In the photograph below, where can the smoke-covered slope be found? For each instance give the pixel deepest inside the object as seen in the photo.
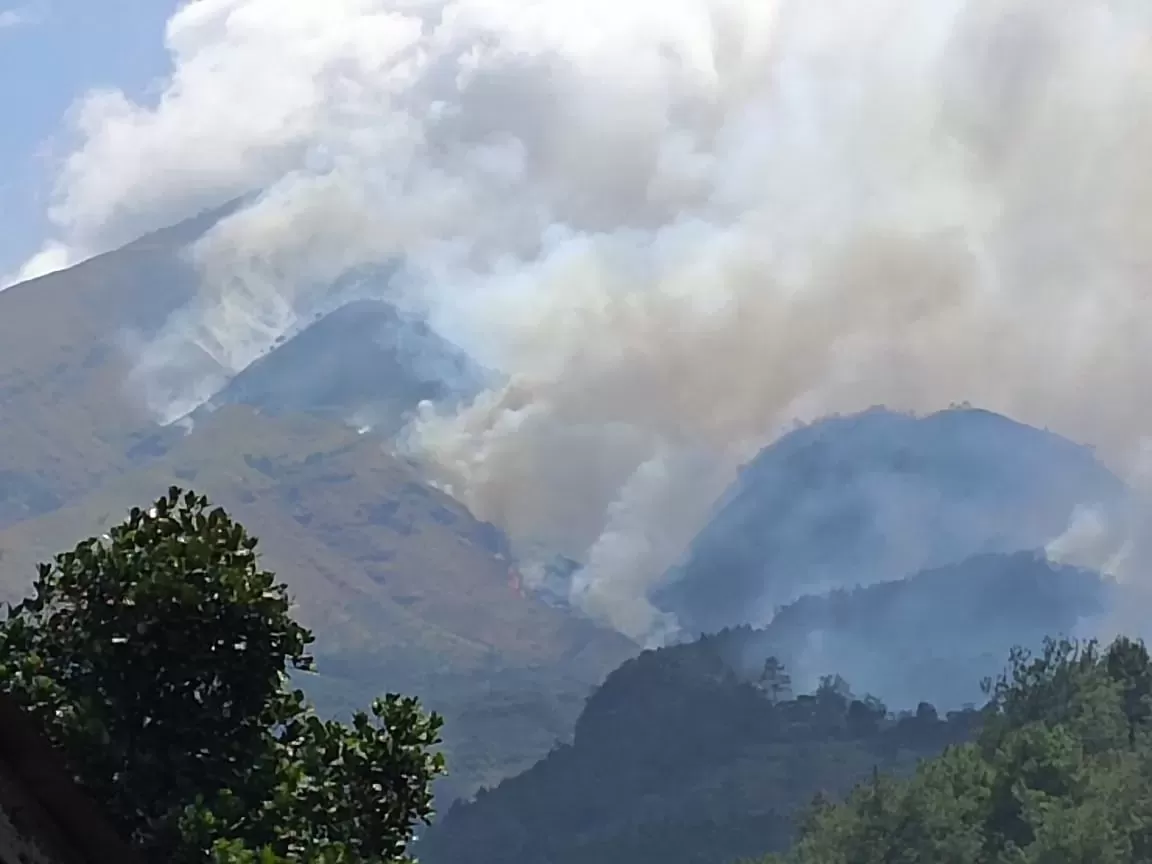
(67, 412)
(362, 362)
(935, 635)
(406, 590)
(876, 496)
(83, 360)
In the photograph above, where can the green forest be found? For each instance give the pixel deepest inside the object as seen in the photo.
(1061, 771)
(677, 758)
(159, 657)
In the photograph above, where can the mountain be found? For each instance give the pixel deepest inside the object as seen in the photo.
(933, 636)
(362, 542)
(408, 591)
(70, 416)
(405, 589)
(66, 419)
(361, 362)
(678, 759)
(873, 497)
(691, 754)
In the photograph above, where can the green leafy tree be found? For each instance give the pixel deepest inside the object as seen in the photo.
(1061, 772)
(1128, 665)
(157, 657)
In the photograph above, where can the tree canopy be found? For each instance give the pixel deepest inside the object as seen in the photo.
(157, 657)
(685, 757)
(1061, 772)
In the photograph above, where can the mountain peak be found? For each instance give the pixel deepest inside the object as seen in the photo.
(876, 496)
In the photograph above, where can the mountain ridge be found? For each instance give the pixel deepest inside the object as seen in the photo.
(872, 497)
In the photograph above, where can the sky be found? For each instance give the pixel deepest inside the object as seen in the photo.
(52, 53)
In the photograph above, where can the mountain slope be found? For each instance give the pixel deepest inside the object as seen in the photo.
(874, 497)
(70, 411)
(935, 635)
(66, 419)
(405, 589)
(363, 361)
(374, 555)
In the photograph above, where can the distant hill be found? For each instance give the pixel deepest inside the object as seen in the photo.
(678, 759)
(935, 635)
(362, 362)
(874, 497)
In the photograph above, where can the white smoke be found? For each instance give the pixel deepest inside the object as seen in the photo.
(1115, 544)
(675, 225)
(664, 501)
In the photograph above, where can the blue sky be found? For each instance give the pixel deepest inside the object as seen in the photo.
(50, 54)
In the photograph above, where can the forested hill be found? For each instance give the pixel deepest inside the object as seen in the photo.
(937, 634)
(1061, 773)
(679, 759)
(693, 755)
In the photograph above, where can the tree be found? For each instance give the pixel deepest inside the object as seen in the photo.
(833, 689)
(1061, 771)
(774, 680)
(926, 713)
(157, 657)
(1128, 664)
(865, 716)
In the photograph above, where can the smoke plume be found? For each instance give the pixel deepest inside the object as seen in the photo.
(675, 226)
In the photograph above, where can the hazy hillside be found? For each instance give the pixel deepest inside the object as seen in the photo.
(406, 590)
(935, 635)
(876, 496)
(679, 760)
(71, 415)
(361, 363)
(66, 419)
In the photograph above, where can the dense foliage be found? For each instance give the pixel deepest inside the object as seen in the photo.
(1061, 772)
(157, 657)
(679, 759)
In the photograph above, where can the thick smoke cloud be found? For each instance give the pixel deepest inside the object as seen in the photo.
(676, 226)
